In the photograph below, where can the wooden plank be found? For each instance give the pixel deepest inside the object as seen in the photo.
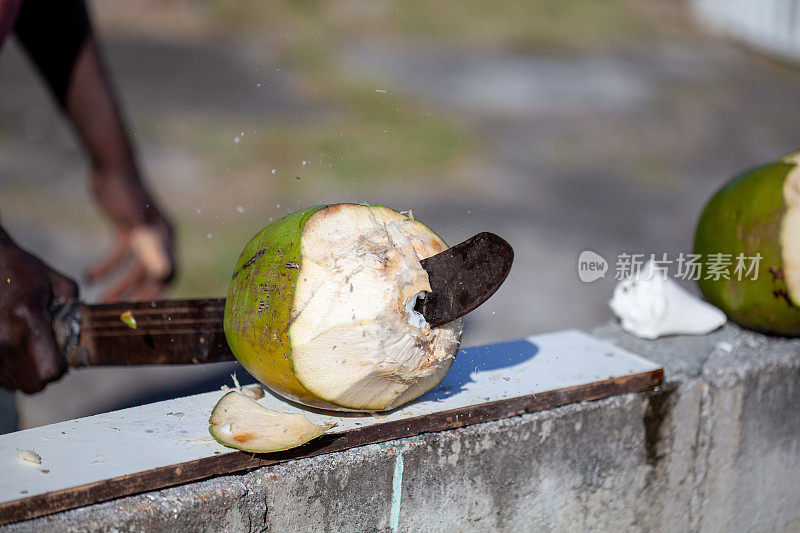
(159, 445)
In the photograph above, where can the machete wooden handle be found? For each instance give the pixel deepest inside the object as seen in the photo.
(165, 332)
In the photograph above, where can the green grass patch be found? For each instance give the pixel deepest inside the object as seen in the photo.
(510, 24)
(369, 137)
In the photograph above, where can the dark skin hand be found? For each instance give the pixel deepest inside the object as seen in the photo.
(29, 356)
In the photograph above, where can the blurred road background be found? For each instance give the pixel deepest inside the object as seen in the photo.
(562, 126)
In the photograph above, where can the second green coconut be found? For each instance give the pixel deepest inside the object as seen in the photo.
(756, 215)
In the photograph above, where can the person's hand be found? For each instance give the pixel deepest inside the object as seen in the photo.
(147, 253)
(144, 243)
(29, 355)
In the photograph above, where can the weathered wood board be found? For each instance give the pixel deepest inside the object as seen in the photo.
(110, 455)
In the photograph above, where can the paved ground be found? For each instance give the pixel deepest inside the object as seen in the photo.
(614, 152)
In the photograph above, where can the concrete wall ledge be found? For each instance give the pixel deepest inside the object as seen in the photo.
(717, 448)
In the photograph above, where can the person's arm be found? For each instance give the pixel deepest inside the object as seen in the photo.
(58, 37)
(142, 230)
(29, 355)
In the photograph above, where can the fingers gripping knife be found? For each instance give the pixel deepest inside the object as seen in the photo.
(190, 331)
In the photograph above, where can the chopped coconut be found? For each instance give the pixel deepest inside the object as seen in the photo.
(253, 391)
(650, 305)
(416, 319)
(356, 339)
(30, 456)
(241, 423)
(128, 318)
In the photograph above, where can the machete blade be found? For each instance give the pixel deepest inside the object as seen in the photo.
(464, 276)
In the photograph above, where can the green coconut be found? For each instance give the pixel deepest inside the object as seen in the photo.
(321, 309)
(756, 213)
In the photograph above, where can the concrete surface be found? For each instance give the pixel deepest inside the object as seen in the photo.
(112, 445)
(716, 449)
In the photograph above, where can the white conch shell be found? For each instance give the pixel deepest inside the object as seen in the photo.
(650, 305)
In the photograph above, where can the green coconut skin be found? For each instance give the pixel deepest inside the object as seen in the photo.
(745, 217)
(259, 305)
